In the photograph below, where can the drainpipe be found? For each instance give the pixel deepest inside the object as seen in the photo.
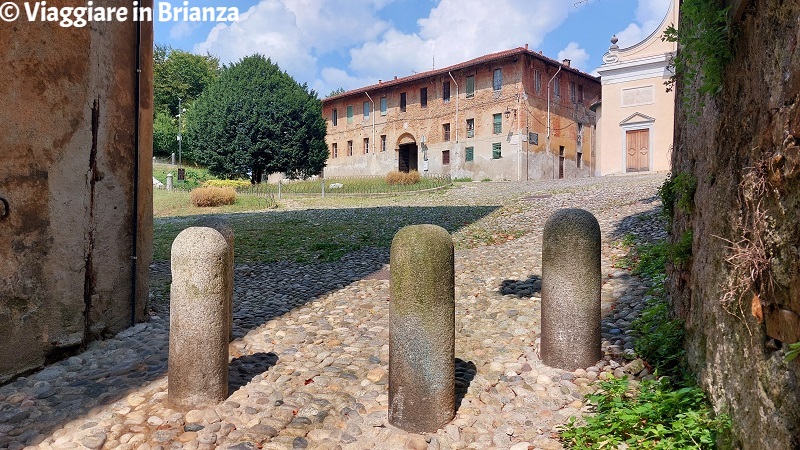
(548, 116)
(137, 117)
(519, 137)
(373, 122)
(456, 124)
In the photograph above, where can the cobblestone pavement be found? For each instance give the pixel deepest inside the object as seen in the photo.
(309, 365)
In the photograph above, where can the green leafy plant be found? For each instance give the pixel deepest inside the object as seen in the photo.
(791, 354)
(704, 39)
(646, 415)
(677, 191)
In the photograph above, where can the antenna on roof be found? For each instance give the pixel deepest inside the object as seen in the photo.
(433, 65)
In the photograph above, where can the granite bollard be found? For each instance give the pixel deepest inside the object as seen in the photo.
(200, 306)
(225, 229)
(571, 290)
(421, 329)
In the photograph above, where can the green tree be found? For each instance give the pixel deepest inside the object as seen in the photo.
(256, 120)
(180, 75)
(165, 134)
(337, 91)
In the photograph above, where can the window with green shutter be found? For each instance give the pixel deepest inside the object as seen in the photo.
(496, 151)
(470, 86)
(350, 114)
(498, 123)
(469, 154)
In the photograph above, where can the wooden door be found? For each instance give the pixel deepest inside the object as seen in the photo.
(638, 150)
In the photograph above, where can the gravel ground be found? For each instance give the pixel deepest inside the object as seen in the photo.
(309, 365)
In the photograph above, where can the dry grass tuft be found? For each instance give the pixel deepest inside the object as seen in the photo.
(213, 196)
(404, 178)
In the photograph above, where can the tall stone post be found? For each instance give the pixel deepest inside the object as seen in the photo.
(571, 290)
(422, 329)
(225, 229)
(200, 304)
(169, 181)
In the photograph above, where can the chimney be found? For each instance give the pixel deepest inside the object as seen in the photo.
(526, 46)
(380, 81)
(566, 62)
(395, 77)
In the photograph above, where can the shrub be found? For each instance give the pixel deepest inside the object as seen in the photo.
(646, 415)
(404, 178)
(236, 184)
(213, 196)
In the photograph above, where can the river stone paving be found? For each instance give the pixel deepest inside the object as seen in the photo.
(309, 362)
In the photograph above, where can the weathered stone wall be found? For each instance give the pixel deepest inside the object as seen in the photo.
(744, 151)
(68, 131)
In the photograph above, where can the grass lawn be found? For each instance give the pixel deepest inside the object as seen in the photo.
(318, 235)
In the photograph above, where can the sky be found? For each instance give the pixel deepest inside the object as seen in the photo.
(353, 43)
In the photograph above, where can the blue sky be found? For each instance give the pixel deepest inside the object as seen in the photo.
(353, 43)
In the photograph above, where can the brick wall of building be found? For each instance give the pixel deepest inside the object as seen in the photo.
(521, 104)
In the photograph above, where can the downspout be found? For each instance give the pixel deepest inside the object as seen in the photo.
(519, 137)
(456, 124)
(372, 113)
(548, 117)
(137, 117)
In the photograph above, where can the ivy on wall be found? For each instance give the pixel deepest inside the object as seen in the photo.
(704, 47)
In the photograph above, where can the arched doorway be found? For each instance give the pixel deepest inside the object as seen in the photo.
(406, 153)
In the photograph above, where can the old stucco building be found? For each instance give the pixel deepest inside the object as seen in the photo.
(636, 119)
(75, 182)
(483, 118)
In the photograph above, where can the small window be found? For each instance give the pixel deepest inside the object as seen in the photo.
(469, 154)
(366, 110)
(557, 86)
(497, 120)
(366, 145)
(580, 93)
(402, 102)
(446, 91)
(445, 157)
(349, 148)
(470, 86)
(537, 80)
(335, 117)
(423, 97)
(446, 132)
(383, 142)
(349, 113)
(579, 159)
(470, 128)
(497, 80)
(496, 154)
(383, 106)
(335, 150)
(573, 92)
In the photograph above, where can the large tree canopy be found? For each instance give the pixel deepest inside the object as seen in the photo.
(256, 120)
(176, 75)
(179, 74)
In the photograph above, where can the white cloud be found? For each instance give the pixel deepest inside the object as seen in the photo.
(458, 30)
(294, 33)
(183, 29)
(575, 54)
(649, 14)
(332, 78)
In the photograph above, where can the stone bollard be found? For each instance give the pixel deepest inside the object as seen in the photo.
(169, 181)
(225, 229)
(571, 290)
(199, 319)
(422, 329)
